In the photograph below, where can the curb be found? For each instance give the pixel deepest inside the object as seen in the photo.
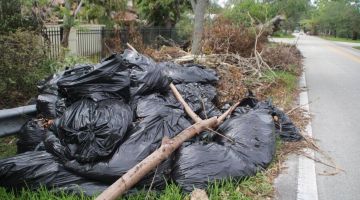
(306, 186)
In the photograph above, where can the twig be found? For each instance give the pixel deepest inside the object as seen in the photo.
(186, 106)
(226, 113)
(131, 47)
(297, 107)
(152, 182)
(203, 105)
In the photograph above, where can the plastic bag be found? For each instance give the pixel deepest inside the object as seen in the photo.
(109, 79)
(199, 97)
(285, 128)
(49, 103)
(143, 140)
(190, 73)
(147, 79)
(198, 164)
(30, 135)
(92, 130)
(149, 104)
(38, 168)
(50, 106)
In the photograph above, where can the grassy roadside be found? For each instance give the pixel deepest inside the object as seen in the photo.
(338, 39)
(358, 48)
(283, 36)
(282, 88)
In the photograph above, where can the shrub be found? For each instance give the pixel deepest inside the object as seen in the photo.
(23, 61)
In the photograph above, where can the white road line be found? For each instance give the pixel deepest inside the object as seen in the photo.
(306, 187)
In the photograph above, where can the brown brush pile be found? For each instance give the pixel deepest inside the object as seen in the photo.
(282, 57)
(223, 36)
(165, 53)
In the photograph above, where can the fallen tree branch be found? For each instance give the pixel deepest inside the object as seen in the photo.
(135, 174)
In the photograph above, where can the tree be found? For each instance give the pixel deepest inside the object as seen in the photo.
(162, 12)
(199, 7)
(12, 17)
(338, 18)
(69, 19)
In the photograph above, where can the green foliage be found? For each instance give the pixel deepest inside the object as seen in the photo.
(162, 12)
(244, 10)
(294, 10)
(282, 34)
(184, 26)
(11, 17)
(261, 12)
(100, 11)
(339, 39)
(23, 62)
(339, 18)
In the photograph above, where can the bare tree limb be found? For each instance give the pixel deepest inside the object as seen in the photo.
(135, 174)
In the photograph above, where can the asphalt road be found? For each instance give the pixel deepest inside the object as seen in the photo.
(333, 79)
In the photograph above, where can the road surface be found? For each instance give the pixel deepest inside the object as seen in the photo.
(333, 79)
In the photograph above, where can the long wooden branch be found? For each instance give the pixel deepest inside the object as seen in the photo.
(168, 146)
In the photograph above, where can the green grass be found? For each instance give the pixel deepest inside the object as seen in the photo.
(281, 34)
(357, 47)
(254, 187)
(7, 147)
(338, 39)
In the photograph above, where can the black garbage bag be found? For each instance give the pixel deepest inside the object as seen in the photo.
(190, 73)
(138, 59)
(144, 139)
(198, 164)
(254, 136)
(146, 79)
(49, 103)
(199, 97)
(53, 145)
(30, 135)
(50, 106)
(149, 104)
(285, 128)
(109, 79)
(39, 168)
(91, 130)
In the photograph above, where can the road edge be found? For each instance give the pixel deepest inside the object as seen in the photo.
(306, 180)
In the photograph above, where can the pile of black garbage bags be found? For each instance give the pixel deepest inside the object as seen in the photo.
(110, 116)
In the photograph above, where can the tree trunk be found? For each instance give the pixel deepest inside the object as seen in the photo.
(68, 21)
(65, 39)
(199, 11)
(354, 35)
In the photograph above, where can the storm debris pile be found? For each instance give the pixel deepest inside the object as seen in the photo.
(108, 117)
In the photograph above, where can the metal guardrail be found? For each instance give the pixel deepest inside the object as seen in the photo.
(11, 120)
